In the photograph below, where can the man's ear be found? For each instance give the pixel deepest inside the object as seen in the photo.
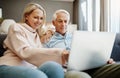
(53, 22)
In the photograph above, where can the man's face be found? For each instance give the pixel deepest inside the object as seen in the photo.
(61, 23)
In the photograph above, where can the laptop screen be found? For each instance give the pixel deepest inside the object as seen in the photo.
(90, 49)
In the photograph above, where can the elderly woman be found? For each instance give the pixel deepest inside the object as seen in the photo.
(24, 56)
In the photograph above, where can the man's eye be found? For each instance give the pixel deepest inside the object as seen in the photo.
(59, 21)
(65, 21)
(41, 18)
(36, 17)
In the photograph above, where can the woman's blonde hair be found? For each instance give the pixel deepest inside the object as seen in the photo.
(30, 8)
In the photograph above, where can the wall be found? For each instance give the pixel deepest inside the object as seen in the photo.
(12, 9)
(75, 12)
(0, 2)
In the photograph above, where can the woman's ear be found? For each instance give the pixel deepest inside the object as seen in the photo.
(26, 17)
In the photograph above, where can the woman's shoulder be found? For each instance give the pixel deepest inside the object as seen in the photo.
(16, 27)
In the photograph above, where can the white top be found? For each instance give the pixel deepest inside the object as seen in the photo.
(24, 48)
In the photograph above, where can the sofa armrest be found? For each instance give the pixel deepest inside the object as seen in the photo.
(2, 38)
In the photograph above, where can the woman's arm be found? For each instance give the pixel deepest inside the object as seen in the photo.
(20, 45)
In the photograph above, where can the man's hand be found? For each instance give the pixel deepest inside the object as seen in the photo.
(111, 61)
(46, 37)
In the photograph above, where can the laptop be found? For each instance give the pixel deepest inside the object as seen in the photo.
(90, 49)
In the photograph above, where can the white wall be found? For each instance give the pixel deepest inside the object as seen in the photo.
(12, 9)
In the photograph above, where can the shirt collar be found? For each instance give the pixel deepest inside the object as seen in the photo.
(58, 34)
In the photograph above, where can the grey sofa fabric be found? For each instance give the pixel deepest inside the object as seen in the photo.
(115, 51)
(116, 48)
(2, 37)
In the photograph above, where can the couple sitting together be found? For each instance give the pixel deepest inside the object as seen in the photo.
(32, 54)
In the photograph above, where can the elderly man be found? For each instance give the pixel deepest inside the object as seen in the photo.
(62, 39)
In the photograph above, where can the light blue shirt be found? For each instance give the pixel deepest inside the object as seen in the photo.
(60, 41)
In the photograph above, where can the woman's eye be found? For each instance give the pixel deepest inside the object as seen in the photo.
(36, 17)
(40, 18)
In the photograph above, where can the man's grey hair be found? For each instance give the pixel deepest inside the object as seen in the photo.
(60, 11)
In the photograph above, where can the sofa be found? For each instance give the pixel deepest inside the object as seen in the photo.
(115, 51)
(116, 48)
(2, 37)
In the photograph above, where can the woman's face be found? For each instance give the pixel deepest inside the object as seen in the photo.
(35, 19)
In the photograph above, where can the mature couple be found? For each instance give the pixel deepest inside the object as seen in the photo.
(25, 55)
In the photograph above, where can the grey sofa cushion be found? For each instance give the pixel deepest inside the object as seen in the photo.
(2, 37)
(116, 48)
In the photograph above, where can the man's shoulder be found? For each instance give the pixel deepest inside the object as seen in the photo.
(69, 34)
(51, 41)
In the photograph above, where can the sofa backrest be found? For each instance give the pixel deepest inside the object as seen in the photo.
(2, 37)
(116, 48)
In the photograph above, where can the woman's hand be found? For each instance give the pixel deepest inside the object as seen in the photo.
(65, 55)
